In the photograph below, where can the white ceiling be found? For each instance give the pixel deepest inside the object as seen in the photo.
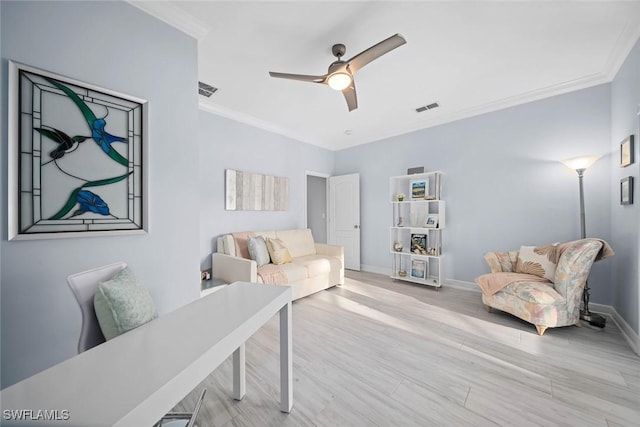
(470, 57)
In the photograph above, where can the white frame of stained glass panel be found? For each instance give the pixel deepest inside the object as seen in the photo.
(78, 158)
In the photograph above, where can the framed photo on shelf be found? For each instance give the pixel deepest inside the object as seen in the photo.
(431, 221)
(419, 244)
(627, 152)
(418, 269)
(419, 189)
(626, 191)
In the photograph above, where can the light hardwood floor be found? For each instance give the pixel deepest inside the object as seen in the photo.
(375, 352)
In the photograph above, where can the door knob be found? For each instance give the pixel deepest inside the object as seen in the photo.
(356, 226)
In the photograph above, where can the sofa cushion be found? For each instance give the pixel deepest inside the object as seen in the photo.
(295, 272)
(258, 250)
(299, 242)
(240, 239)
(537, 260)
(278, 251)
(319, 264)
(122, 304)
(226, 245)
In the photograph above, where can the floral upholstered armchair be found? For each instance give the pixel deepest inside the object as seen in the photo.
(541, 285)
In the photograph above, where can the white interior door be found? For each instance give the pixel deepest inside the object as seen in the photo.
(344, 217)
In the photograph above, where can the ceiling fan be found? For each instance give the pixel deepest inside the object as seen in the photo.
(340, 73)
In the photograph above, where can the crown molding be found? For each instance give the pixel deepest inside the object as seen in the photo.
(547, 92)
(174, 16)
(250, 120)
(501, 104)
(622, 48)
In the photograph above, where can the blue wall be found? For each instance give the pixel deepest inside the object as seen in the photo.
(625, 220)
(116, 46)
(503, 181)
(227, 144)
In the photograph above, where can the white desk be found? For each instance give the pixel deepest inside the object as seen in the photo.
(134, 379)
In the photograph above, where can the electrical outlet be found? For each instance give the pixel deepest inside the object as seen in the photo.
(205, 275)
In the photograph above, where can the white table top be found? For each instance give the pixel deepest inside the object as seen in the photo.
(135, 378)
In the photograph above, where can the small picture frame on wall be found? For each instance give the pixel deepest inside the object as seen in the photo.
(626, 191)
(627, 152)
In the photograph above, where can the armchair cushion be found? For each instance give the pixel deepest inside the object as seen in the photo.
(501, 261)
(537, 260)
(122, 304)
(495, 282)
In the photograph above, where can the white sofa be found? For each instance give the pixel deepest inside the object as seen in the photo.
(314, 266)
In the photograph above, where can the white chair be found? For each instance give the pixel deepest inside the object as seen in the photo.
(84, 286)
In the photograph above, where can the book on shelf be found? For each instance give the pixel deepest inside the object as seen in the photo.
(418, 269)
(419, 243)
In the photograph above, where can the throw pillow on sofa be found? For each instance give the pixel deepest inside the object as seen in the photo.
(258, 250)
(278, 251)
(537, 260)
(122, 304)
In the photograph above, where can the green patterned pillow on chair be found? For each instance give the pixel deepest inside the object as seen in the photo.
(122, 304)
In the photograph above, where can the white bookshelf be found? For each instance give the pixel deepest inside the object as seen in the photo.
(417, 224)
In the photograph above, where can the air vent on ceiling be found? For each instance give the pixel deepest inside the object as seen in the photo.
(427, 107)
(206, 90)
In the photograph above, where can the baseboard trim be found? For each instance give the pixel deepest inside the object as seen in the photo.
(627, 331)
(461, 284)
(375, 269)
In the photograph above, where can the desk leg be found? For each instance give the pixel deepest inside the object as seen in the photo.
(239, 374)
(286, 360)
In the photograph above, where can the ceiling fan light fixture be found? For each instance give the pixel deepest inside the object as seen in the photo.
(339, 81)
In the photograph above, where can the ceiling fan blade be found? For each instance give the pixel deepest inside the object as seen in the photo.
(350, 96)
(375, 51)
(301, 77)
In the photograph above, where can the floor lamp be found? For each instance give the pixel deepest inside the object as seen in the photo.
(580, 165)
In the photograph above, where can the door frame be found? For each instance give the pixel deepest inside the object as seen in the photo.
(326, 177)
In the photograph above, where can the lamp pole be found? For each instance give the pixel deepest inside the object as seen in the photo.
(583, 228)
(594, 319)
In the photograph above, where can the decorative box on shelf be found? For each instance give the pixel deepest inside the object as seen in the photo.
(415, 236)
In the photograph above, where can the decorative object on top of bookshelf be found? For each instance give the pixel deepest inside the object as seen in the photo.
(419, 243)
(431, 221)
(627, 152)
(626, 191)
(413, 171)
(432, 251)
(398, 246)
(419, 189)
(400, 197)
(418, 268)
